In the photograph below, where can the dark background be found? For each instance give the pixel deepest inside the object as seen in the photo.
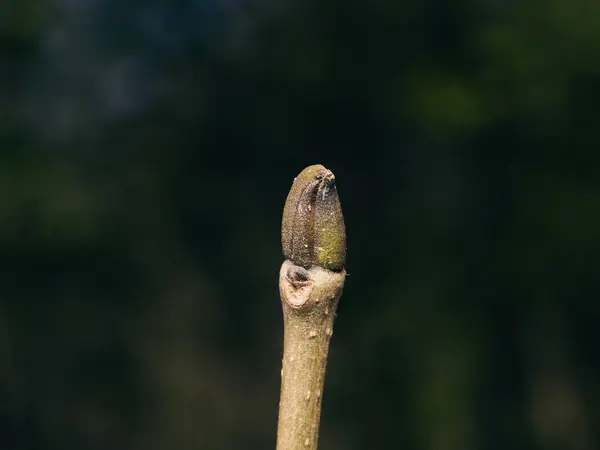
(147, 148)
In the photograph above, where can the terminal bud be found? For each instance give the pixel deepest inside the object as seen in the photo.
(313, 231)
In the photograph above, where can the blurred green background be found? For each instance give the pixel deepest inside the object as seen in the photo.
(147, 148)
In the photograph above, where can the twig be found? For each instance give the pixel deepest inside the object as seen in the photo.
(310, 283)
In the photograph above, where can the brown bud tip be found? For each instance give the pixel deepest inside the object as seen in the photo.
(313, 231)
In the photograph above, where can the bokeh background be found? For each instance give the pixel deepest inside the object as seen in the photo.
(147, 148)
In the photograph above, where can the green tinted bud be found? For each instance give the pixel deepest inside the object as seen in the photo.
(313, 231)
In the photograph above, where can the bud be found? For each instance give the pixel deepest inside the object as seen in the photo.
(313, 231)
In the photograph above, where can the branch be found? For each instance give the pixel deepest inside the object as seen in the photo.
(310, 283)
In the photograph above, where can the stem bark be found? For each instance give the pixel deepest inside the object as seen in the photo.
(309, 299)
